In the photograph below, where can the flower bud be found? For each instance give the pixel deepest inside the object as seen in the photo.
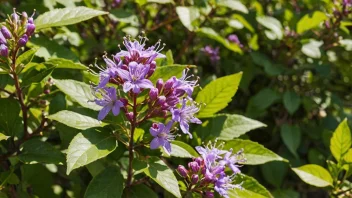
(2, 39)
(47, 91)
(30, 29)
(14, 17)
(209, 194)
(129, 116)
(169, 83)
(30, 20)
(161, 100)
(172, 101)
(194, 179)
(179, 92)
(199, 160)
(23, 40)
(182, 171)
(5, 32)
(159, 84)
(153, 93)
(24, 18)
(193, 166)
(4, 50)
(124, 101)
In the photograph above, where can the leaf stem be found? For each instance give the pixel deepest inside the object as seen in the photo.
(130, 145)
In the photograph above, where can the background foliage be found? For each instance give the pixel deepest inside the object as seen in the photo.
(296, 62)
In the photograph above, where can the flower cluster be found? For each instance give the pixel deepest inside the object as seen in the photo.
(212, 53)
(18, 30)
(131, 69)
(208, 171)
(234, 39)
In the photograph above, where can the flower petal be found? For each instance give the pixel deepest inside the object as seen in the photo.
(127, 86)
(104, 112)
(167, 147)
(154, 144)
(145, 83)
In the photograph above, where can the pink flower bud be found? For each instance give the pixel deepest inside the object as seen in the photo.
(182, 171)
(199, 160)
(169, 83)
(4, 50)
(23, 40)
(124, 101)
(129, 116)
(161, 100)
(30, 29)
(153, 94)
(209, 194)
(194, 179)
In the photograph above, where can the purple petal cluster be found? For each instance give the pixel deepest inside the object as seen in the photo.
(207, 172)
(212, 53)
(234, 39)
(16, 26)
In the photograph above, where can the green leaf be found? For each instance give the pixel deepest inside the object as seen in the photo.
(291, 135)
(251, 188)
(286, 193)
(217, 94)
(9, 115)
(253, 152)
(61, 63)
(9, 177)
(262, 100)
(65, 16)
(75, 120)
(340, 141)
(311, 48)
(107, 184)
(348, 156)
(314, 175)
(234, 5)
(168, 71)
(36, 151)
(291, 101)
(310, 21)
(26, 57)
(274, 172)
(38, 77)
(138, 191)
(161, 1)
(273, 25)
(181, 149)
(269, 67)
(89, 146)
(169, 58)
(227, 127)
(78, 92)
(124, 16)
(158, 171)
(212, 34)
(4, 137)
(187, 15)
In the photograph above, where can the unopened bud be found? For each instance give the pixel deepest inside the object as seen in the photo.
(4, 50)
(172, 101)
(169, 83)
(159, 84)
(182, 171)
(124, 101)
(23, 40)
(14, 17)
(209, 194)
(161, 100)
(199, 160)
(153, 94)
(24, 18)
(2, 39)
(30, 29)
(6, 32)
(193, 166)
(129, 116)
(47, 91)
(194, 179)
(30, 20)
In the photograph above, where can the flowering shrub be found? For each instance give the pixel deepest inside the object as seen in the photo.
(135, 123)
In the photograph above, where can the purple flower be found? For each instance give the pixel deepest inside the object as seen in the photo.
(162, 136)
(212, 53)
(2, 39)
(109, 72)
(181, 85)
(233, 38)
(223, 184)
(23, 40)
(135, 78)
(109, 102)
(210, 154)
(30, 29)
(136, 50)
(185, 115)
(6, 33)
(231, 160)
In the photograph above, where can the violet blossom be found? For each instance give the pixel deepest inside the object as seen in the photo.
(162, 136)
(109, 72)
(109, 102)
(213, 53)
(135, 78)
(185, 115)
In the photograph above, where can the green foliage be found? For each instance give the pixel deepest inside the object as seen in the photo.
(75, 120)
(217, 94)
(291, 135)
(9, 116)
(310, 21)
(65, 16)
(341, 140)
(251, 188)
(314, 175)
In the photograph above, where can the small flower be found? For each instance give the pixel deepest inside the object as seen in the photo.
(135, 78)
(231, 160)
(109, 102)
(223, 184)
(183, 84)
(185, 115)
(210, 153)
(107, 73)
(212, 53)
(162, 136)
